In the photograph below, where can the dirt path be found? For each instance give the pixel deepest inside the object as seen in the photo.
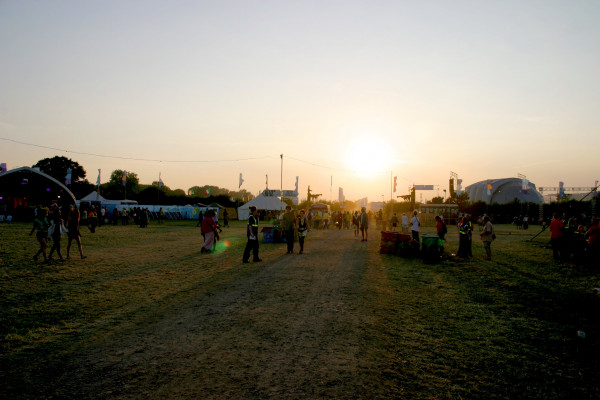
(289, 327)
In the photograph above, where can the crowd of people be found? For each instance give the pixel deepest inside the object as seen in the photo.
(575, 238)
(51, 224)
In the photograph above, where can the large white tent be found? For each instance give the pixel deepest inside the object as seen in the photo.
(268, 203)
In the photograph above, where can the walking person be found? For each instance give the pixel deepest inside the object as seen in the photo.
(200, 217)
(415, 224)
(364, 224)
(40, 223)
(556, 236)
(404, 224)
(210, 232)
(464, 238)
(356, 223)
(289, 226)
(57, 228)
(394, 222)
(252, 234)
(303, 228)
(225, 218)
(487, 236)
(441, 229)
(74, 234)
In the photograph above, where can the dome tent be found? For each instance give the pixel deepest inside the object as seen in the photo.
(503, 191)
(26, 185)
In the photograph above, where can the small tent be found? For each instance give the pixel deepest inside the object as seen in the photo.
(94, 196)
(267, 203)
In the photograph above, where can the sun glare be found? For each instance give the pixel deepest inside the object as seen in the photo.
(368, 155)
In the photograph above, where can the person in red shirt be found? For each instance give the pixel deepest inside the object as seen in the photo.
(593, 241)
(210, 231)
(556, 236)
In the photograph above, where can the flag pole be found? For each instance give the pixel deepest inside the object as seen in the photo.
(281, 176)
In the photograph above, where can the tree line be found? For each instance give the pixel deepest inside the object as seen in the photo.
(153, 193)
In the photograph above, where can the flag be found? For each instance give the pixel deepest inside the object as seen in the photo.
(241, 181)
(524, 186)
(160, 182)
(341, 196)
(2, 167)
(395, 183)
(596, 189)
(98, 180)
(296, 185)
(561, 189)
(190, 192)
(459, 190)
(68, 177)
(207, 192)
(489, 187)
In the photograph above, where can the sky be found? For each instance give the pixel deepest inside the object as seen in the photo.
(339, 93)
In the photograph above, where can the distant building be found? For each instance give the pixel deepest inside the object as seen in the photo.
(503, 191)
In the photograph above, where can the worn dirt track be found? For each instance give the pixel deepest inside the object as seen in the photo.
(289, 327)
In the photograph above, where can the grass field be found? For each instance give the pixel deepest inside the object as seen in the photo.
(506, 328)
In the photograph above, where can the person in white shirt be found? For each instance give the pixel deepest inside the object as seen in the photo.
(405, 224)
(415, 223)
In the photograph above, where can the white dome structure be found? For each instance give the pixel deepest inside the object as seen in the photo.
(503, 191)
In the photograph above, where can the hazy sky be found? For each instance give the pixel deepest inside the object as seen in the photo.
(348, 91)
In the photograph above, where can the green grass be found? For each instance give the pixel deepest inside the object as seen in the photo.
(505, 328)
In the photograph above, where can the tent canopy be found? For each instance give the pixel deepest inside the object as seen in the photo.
(94, 196)
(268, 203)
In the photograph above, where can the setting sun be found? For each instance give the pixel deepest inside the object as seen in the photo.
(368, 154)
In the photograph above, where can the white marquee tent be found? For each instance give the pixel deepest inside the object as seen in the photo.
(268, 203)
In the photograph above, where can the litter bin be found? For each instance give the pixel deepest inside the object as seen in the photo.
(431, 247)
(388, 242)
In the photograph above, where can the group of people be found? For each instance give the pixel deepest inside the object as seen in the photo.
(577, 236)
(465, 236)
(50, 224)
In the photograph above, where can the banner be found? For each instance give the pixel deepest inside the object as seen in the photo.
(98, 180)
(489, 187)
(241, 181)
(341, 196)
(423, 187)
(296, 184)
(3, 167)
(124, 179)
(160, 182)
(68, 177)
(561, 189)
(524, 185)
(459, 188)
